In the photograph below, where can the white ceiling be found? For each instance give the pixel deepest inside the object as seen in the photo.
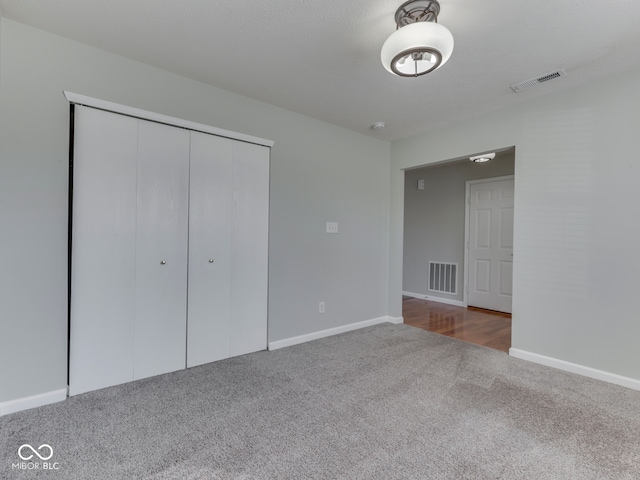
(322, 58)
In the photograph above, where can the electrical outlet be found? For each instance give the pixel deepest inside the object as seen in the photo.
(321, 307)
(332, 227)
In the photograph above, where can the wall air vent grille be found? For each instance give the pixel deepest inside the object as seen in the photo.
(443, 277)
(532, 82)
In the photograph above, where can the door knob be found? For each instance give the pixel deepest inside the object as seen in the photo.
(211, 260)
(163, 262)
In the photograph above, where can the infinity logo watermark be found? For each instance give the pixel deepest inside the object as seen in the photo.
(44, 452)
(35, 452)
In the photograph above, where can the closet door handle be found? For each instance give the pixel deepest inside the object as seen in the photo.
(163, 262)
(211, 260)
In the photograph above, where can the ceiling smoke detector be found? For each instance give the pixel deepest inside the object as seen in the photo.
(532, 82)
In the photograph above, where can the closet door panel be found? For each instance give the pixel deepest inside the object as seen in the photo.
(249, 262)
(209, 293)
(161, 249)
(103, 250)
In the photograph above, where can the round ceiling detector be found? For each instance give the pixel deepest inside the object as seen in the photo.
(419, 45)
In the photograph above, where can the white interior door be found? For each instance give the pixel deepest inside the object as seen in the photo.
(103, 250)
(210, 213)
(161, 249)
(250, 248)
(491, 244)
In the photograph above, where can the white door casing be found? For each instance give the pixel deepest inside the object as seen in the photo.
(490, 243)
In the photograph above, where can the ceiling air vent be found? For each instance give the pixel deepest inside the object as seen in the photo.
(518, 87)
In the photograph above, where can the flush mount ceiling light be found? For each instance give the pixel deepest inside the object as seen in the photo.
(419, 45)
(483, 158)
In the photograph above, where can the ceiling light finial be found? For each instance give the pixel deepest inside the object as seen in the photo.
(419, 45)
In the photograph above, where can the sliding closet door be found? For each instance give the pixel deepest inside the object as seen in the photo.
(103, 250)
(161, 249)
(209, 249)
(250, 233)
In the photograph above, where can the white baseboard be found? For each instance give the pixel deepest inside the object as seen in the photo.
(33, 401)
(396, 320)
(287, 342)
(448, 301)
(414, 295)
(576, 368)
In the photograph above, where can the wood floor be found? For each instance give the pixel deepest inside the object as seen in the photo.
(474, 325)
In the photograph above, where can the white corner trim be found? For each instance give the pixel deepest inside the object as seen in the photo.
(33, 401)
(288, 342)
(160, 118)
(576, 368)
(422, 296)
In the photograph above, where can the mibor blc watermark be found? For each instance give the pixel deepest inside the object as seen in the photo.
(35, 458)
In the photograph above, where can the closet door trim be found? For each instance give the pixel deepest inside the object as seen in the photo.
(78, 99)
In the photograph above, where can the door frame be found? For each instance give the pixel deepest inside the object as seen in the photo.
(467, 201)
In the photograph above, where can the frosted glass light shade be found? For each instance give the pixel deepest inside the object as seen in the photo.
(417, 49)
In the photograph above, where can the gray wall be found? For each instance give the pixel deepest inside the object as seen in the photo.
(319, 173)
(434, 226)
(576, 271)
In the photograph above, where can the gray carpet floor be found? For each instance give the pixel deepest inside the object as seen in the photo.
(385, 402)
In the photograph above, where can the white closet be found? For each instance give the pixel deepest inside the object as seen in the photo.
(168, 247)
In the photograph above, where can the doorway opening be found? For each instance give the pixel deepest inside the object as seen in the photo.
(436, 231)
